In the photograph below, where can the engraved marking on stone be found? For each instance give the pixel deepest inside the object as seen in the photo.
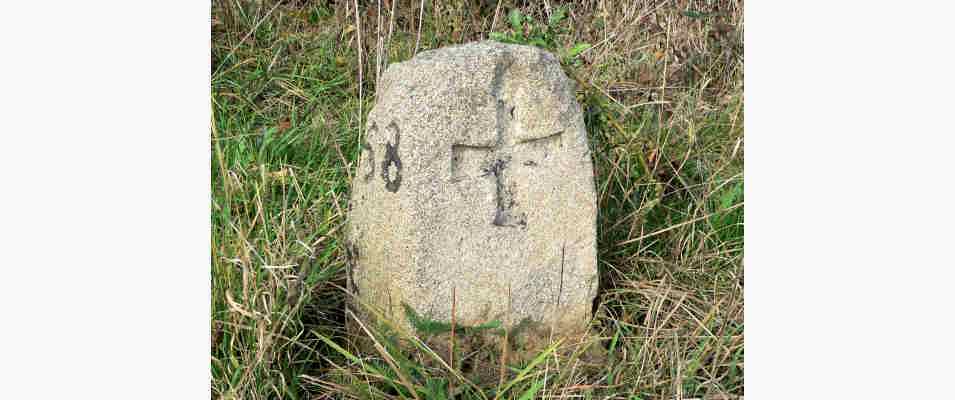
(391, 165)
(560, 289)
(504, 196)
(497, 159)
(354, 256)
(370, 161)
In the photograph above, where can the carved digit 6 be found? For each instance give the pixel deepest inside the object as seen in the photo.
(370, 160)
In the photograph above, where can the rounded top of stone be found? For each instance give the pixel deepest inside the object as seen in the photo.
(482, 48)
(472, 65)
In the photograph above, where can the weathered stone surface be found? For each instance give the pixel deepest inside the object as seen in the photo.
(475, 175)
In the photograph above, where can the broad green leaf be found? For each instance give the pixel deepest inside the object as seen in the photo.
(729, 197)
(577, 49)
(557, 16)
(516, 19)
(427, 326)
(500, 37)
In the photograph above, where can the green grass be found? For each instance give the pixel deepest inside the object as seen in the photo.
(661, 86)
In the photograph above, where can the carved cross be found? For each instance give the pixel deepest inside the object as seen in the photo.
(496, 163)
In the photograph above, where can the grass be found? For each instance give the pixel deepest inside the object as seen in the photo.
(661, 86)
